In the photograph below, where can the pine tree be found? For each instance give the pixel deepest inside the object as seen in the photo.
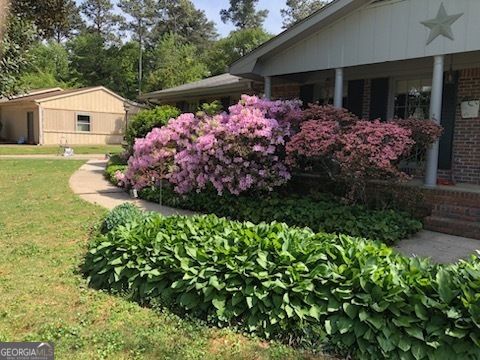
(243, 14)
(189, 24)
(298, 10)
(142, 17)
(102, 20)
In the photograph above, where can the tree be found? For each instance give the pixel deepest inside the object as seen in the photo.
(121, 67)
(243, 14)
(4, 11)
(176, 63)
(188, 23)
(142, 14)
(58, 19)
(113, 67)
(102, 19)
(49, 67)
(237, 44)
(69, 22)
(89, 59)
(15, 54)
(297, 10)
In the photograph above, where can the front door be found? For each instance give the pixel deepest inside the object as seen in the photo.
(30, 134)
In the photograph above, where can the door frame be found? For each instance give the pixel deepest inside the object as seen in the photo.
(30, 127)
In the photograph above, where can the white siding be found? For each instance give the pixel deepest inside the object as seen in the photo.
(379, 33)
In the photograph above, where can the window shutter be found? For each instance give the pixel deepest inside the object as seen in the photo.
(306, 94)
(354, 101)
(449, 109)
(379, 99)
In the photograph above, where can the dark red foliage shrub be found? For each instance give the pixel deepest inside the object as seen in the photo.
(351, 150)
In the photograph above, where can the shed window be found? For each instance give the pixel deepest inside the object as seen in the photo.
(83, 122)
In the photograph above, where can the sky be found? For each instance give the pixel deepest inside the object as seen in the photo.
(212, 8)
(273, 23)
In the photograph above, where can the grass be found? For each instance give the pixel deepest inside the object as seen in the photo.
(53, 150)
(44, 230)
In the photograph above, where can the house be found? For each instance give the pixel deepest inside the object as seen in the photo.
(55, 116)
(387, 58)
(383, 59)
(225, 88)
(394, 58)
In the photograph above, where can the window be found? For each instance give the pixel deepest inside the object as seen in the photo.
(83, 122)
(412, 98)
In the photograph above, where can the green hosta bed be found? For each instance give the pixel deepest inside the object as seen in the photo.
(354, 296)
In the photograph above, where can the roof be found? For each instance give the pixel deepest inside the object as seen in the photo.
(216, 84)
(31, 93)
(328, 14)
(39, 96)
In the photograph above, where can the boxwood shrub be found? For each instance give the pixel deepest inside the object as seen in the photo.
(320, 212)
(357, 296)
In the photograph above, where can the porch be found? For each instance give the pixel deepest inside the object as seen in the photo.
(424, 88)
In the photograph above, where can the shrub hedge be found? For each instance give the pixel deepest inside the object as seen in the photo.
(143, 122)
(358, 296)
(116, 163)
(321, 213)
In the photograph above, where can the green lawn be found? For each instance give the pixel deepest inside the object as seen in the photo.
(52, 150)
(43, 236)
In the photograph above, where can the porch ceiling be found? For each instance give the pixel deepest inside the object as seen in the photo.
(411, 67)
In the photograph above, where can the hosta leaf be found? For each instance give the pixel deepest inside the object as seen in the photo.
(457, 333)
(350, 310)
(415, 332)
(445, 287)
(219, 303)
(404, 344)
(262, 260)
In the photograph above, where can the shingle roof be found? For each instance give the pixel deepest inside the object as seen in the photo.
(215, 82)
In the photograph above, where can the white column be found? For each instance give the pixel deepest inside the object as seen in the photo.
(431, 170)
(268, 87)
(338, 98)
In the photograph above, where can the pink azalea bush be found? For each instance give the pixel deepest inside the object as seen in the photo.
(153, 156)
(372, 149)
(232, 152)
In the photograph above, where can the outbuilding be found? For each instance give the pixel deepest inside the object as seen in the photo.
(94, 115)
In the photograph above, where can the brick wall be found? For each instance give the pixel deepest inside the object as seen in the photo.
(284, 91)
(289, 91)
(466, 143)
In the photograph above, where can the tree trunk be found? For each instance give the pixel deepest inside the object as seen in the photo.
(4, 5)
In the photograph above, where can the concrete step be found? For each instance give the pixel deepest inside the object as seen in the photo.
(469, 229)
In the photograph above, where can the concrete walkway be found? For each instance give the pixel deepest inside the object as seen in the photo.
(442, 248)
(89, 183)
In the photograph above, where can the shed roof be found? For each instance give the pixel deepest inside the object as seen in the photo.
(39, 96)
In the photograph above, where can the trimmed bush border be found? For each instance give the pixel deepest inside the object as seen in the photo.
(357, 296)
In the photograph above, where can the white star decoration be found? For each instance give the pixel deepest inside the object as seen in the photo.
(441, 25)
